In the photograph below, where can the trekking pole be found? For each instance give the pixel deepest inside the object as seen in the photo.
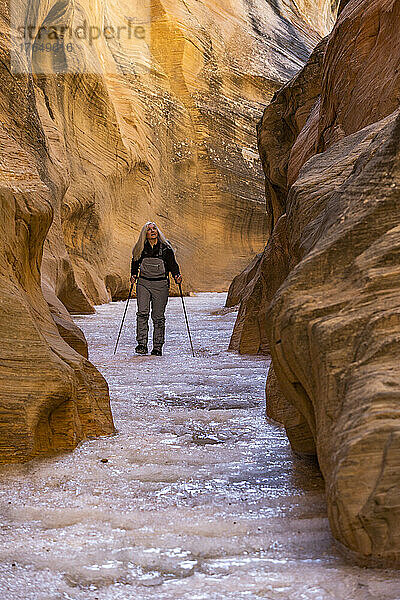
(187, 323)
(123, 318)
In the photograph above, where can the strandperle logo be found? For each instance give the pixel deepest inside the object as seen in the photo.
(58, 33)
(67, 39)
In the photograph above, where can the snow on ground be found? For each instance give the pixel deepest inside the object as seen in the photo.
(196, 497)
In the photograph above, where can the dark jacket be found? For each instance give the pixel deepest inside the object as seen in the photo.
(171, 266)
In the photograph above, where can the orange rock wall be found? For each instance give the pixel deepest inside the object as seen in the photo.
(330, 310)
(51, 397)
(168, 134)
(100, 138)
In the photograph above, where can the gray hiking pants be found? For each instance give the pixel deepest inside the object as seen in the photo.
(154, 294)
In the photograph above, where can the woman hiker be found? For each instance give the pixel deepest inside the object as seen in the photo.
(154, 256)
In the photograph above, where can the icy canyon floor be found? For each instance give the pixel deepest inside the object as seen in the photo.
(195, 497)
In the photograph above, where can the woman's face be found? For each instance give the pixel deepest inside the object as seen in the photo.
(152, 233)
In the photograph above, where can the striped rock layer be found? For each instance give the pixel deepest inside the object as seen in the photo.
(324, 296)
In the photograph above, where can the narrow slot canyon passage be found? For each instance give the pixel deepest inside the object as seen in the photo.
(196, 497)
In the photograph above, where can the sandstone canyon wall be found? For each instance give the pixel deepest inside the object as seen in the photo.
(51, 397)
(324, 296)
(100, 134)
(163, 128)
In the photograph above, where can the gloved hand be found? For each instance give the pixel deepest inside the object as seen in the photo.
(178, 278)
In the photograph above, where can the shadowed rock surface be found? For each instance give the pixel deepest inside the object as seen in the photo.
(334, 331)
(278, 130)
(99, 138)
(332, 309)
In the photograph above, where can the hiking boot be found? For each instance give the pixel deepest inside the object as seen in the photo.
(156, 351)
(141, 349)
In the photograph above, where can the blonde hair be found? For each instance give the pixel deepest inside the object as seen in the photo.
(138, 247)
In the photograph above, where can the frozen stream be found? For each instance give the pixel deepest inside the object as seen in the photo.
(197, 497)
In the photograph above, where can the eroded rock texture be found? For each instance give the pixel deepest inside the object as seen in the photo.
(51, 397)
(164, 129)
(332, 308)
(284, 121)
(98, 136)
